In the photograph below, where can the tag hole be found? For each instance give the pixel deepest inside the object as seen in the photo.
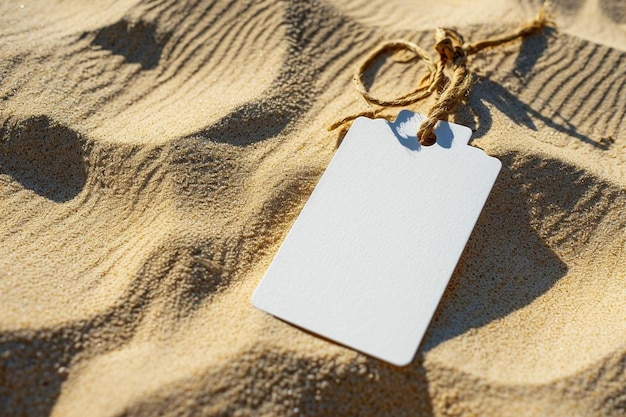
(428, 141)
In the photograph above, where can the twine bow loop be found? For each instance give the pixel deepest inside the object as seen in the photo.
(452, 53)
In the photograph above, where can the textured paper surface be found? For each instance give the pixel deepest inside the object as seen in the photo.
(369, 257)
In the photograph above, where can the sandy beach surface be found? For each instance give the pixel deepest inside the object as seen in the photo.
(154, 154)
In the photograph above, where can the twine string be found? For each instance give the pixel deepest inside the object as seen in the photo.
(452, 53)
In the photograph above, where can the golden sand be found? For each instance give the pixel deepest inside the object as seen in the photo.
(153, 155)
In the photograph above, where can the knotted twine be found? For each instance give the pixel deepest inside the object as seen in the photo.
(452, 53)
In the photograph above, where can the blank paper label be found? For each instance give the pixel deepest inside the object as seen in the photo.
(369, 257)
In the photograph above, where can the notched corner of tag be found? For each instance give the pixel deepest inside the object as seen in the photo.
(365, 119)
(362, 119)
(360, 123)
(497, 163)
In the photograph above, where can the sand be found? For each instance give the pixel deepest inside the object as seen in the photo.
(153, 155)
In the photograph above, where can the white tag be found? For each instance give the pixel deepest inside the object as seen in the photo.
(368, 259)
